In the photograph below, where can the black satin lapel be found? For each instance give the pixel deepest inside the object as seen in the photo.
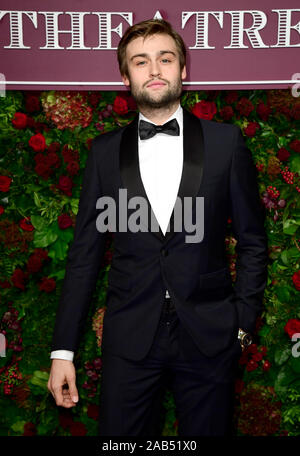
(193, 157)
(130, 171)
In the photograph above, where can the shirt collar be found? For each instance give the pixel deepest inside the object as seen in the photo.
(178, 115)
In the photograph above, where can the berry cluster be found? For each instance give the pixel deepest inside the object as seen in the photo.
(93, 372)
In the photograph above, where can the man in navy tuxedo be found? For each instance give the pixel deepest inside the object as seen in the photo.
(173, 313)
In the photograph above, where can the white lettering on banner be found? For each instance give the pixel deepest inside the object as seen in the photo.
(16, 27)
(52, 31)
(237, 29)
(284, 28)
(202, 26)
(105, 29)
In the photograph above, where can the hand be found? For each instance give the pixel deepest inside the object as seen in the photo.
(63, 374)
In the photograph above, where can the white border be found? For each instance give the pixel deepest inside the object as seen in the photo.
(84, 83)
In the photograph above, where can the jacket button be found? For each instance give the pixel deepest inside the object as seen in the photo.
(164, 252)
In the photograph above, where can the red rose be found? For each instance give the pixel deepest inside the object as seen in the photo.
(257, 356)
(29, 429)
(296, 280)
(34, 264)
(30, 122)
(35, 261)
(5, 182)
(266, 365)
(231, 96)
(43, 170)
(283, 154)
(65, 185)
(77, 428)
(239, 386)
(94, 98)
(37, 142)
(252, 349)
(205, 109)
(26, 225)
(89, 143)
(129, 100)
(295, 145)
(32, 103)
(53, 147)
(69, 154)
(120, 105)
(5, 284)
(292, 327)
(73, 168)
(40, 158)
(263, 111)
(47, 284)
(18, 278)
(251, 365)
(65, 418)
(93, 411)
(244, 106)
(53, 160)
(1, 210)
(251, 128)
(19, 120)
(64, 221)
(226, 113)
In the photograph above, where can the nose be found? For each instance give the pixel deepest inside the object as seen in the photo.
(154, 69)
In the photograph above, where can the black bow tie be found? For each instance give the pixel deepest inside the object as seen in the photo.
(147, 129)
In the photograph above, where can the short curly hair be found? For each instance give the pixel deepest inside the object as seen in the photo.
(145, 29)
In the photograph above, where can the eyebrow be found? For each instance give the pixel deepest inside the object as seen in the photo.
(147, 55)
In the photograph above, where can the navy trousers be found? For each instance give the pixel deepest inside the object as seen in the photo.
(203, 388)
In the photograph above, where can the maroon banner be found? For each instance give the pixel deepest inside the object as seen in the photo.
(72, 44)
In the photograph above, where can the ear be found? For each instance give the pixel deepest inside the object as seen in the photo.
(125, 80)
(183, 73)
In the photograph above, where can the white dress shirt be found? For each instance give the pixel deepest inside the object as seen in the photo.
(160, 162)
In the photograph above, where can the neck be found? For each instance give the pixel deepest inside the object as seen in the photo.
(159, 115)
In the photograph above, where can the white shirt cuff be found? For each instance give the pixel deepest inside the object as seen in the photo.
(62, 354)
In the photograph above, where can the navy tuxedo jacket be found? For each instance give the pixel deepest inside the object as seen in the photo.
(217, 166)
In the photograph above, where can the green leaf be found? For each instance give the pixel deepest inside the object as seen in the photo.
(39, 378)
(58, 250)
(58, 274)
(295, 364)
(74, 205)
(295, 163)
(38, 222)
(290, 226)
(18, 427)
(37, 200)
(44, 238)
(283, 294)
(66, 235)
(284, 378)
(282, 355)
(285, 257)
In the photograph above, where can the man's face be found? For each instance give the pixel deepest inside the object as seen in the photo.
(154, 71)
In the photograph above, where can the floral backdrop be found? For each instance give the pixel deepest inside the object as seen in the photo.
(45, 138)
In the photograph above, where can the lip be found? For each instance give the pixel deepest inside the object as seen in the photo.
(156, 84)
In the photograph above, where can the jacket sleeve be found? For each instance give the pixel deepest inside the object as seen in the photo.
(247, 214)
(83, 261)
